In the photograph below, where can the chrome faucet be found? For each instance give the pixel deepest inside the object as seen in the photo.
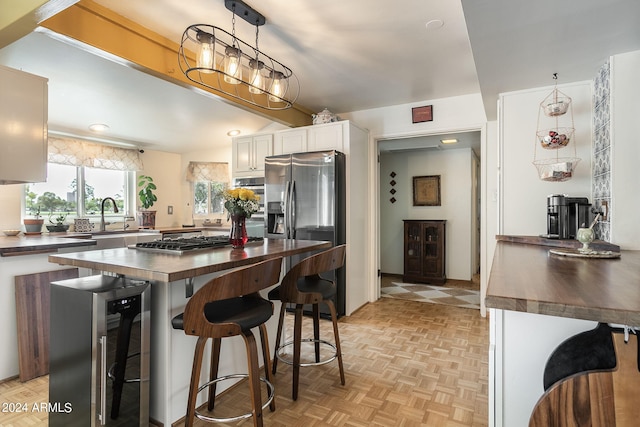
(115, 210)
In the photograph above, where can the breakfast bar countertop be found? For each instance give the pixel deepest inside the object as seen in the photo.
(525, 277)
(28, 245)
(170, 267)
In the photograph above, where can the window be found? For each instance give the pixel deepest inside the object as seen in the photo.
(98, 170)
(60, 193)
(207, 197)
(209, 179)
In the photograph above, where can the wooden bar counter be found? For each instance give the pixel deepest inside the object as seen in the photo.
(172, 277)
(537, 300)
(527, 278)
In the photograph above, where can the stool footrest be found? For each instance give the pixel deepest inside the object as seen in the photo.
(112, 368)
(270, 396)
(329, 359)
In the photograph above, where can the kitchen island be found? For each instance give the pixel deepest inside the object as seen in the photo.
(173, 278)
(538, 299)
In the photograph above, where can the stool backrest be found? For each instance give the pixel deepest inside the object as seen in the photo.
(244, 281)
(313, 266)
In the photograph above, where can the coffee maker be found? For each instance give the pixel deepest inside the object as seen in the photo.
(565, 215)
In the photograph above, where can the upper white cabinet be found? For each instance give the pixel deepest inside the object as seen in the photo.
(248, 154)
(329, 136)
(23, 127)
(290, 141)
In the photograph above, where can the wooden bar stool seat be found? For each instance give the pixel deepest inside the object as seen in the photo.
(301, 286)
(227, 306)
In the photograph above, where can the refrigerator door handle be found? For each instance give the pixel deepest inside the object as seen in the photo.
(292, 210)
(285, 209)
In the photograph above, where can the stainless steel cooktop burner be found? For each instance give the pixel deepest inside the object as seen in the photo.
(180, 246)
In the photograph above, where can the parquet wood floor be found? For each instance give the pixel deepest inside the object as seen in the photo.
(407, 364)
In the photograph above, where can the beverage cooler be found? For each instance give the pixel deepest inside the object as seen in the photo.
(99, 352)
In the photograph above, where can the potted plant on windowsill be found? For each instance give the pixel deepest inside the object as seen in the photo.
(146, 217)
(57, 223)
(34, 225)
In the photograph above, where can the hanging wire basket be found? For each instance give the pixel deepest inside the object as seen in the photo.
(555, 104)
(557, 169)
(554, 132)
(555, 138)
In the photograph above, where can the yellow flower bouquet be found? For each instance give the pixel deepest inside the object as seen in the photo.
(241, 201)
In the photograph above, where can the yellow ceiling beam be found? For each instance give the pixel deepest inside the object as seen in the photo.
(125, 41)
(20, 17)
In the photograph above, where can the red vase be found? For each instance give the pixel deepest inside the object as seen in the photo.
(238, 233)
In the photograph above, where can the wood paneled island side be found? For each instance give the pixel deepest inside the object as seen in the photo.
(169, 275)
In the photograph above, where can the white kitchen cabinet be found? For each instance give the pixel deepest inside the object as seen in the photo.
(23, 127)
(328, 136)
(290, 141)
(248, 154)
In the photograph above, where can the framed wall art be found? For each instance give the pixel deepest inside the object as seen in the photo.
(426, 190)
(422, 114)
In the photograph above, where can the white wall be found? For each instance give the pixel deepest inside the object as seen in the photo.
(449, 114)
(523, 195)
(163, 168)
(455, 170)
(625, 144)
(489, 206)
(11, 202)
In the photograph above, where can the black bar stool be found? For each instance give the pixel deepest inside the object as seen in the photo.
(303, 285)
(227, 306)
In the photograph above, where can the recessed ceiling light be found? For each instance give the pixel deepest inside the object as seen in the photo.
(449, 141)
(434, 24)
(98, 127)
(234, 132)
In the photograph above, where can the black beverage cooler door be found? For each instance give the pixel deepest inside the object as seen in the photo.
(99, 352)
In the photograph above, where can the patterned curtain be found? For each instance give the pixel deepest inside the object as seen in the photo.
(77, 152)
(208, 171)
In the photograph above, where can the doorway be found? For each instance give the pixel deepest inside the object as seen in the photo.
(458, 166)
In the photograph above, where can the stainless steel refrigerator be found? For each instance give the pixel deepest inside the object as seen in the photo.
(305, 199)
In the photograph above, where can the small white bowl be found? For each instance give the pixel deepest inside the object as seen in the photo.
(11, 232)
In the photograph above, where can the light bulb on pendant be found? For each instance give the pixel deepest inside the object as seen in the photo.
(232, 67)
(257, 79)
(205, 59)
(277, 87)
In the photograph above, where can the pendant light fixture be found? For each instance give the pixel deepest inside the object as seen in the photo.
(218, 60)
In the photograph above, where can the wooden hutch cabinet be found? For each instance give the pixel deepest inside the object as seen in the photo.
(424, 251)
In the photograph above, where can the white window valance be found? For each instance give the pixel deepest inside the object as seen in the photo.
(208, 171)
(78, 152)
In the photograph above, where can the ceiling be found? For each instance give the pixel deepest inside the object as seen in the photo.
(348, 56)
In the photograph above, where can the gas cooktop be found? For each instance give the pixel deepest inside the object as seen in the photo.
(180, 246)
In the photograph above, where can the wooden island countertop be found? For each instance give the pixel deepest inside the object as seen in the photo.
(170, 267)
(525, 277)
